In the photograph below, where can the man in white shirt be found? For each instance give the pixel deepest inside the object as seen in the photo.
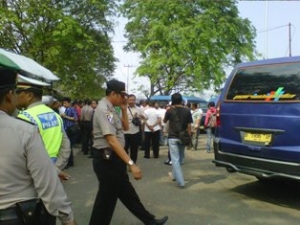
(195, 126)
(152, 131)
(133, 134)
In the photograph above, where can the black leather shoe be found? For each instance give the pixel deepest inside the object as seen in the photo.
(159, 221)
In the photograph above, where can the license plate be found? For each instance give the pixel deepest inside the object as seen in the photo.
(264, 138)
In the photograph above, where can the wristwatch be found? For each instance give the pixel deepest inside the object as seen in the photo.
(130, 162)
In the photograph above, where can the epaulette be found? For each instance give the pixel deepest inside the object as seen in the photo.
(18, 118)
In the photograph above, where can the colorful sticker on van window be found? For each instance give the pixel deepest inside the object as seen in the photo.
(271, 96)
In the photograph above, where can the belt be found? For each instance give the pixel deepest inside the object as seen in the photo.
(99, 150)
(8, 214)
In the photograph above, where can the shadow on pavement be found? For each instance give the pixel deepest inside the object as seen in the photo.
(274, 192)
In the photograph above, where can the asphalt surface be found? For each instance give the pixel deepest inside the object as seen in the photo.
(211, 197)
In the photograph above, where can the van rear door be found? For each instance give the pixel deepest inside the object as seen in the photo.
(260, 112)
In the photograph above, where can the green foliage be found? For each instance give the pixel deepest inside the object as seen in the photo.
(69, 37)
(185, 45)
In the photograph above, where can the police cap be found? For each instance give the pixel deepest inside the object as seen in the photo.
(116, 86)
(26, 83)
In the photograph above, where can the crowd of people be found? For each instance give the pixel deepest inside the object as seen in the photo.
(110, 131)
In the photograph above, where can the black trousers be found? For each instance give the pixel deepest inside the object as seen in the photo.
(152, 138)
(72, 137)
(114, 184)
(87, 128)
(132, 142)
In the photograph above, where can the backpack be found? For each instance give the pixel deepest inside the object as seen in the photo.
(212, 122)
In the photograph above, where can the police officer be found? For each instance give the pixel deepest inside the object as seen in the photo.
(110, 160)
(31, 192)
(50, 124)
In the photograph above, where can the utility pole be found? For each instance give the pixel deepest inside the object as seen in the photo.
(127, 84)
(290, 41)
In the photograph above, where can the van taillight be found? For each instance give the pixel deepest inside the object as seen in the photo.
(218, 114)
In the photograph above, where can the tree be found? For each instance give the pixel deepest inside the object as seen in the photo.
(185, 45)
(68, 37)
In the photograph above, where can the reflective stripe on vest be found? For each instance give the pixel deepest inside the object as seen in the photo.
(49, 124)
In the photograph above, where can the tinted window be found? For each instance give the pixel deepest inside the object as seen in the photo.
(277, 82)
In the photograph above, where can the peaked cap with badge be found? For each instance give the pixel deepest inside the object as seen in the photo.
(25, 83)
(116, 86)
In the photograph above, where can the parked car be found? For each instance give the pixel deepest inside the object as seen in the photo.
(258, 117)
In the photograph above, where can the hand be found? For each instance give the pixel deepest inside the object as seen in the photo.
(136, 172)
(124, 105)
(63, 176)
(63, 115)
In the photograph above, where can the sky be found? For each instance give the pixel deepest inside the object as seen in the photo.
(270, 18)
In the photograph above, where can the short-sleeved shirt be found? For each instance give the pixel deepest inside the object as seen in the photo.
(196, 114)
(185, 118)
(70, 112)
(133, 129)
(162, 113)
(26, 171)
(86, 113)
(153, 115)
(106, 121)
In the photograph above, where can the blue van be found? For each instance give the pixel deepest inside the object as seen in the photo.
(258, 117)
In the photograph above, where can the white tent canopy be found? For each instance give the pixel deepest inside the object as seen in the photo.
(29, 66)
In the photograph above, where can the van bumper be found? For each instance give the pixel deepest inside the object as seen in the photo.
(258, 167)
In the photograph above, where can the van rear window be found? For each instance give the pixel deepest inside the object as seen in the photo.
(268, 83)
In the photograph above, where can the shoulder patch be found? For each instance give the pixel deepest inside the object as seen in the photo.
(18, 118)
(109, 117)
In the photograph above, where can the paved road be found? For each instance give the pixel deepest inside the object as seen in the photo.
(212, 196)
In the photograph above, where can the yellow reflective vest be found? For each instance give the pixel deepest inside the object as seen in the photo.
(50, 126)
